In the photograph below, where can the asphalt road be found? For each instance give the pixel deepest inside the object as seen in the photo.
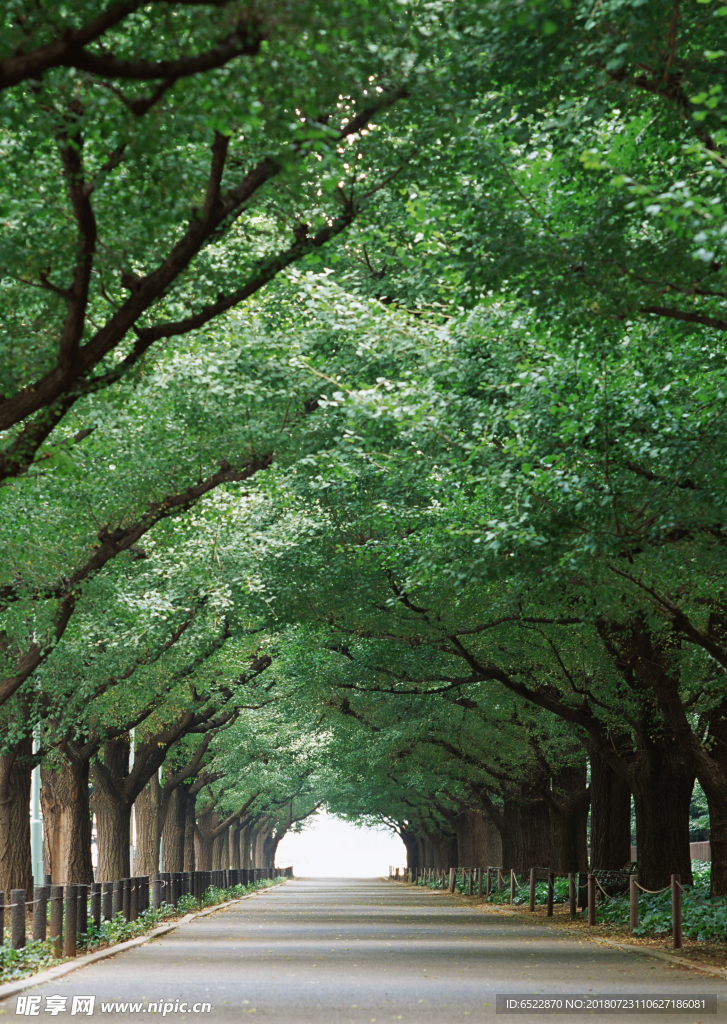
(362, 951)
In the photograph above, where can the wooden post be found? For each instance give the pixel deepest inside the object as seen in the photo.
(551, 892)
(69, 936)
(470, 885)
(107, 900)
(40, 912)
(2, 914)
(17, 918)
(452, 878)
(676, 911)
(126, 898)
(134, 898)
(591, 900)
(156, 891)
(95, 892)
(117, 899)
(488, 887)
(633, 903)
(572, 902)
(500, 879)
(56, 919)
(531, 906)
(479, 882)
(82, 910)
(512, 885)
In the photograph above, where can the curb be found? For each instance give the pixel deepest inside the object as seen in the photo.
(670, 958)
(60, 970)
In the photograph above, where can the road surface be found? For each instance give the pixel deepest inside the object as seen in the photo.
(360, 951)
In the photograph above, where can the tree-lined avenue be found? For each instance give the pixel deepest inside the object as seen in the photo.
(318, 951)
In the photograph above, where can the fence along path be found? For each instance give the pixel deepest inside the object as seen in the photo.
(62, 914)
(585, 890)
(356, 951)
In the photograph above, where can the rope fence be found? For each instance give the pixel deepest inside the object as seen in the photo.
(72, 906)
(582, 889)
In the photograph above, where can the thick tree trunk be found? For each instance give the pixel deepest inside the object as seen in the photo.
(113, 824)
(190, 863)
(173, 831)
(412, 849)
(661, 771)
(246, 847)
(16, 871)
(113, 812)
(610, 815)
(662, 785)
(67, 821)
(271, 846)
(526, 835)
(147, 810)
(569, 803)
(219, 851)
(478, 840)
(233, 847)
(260, 837)
(204, 840)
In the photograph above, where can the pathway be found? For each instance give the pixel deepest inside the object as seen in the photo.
(366, 952)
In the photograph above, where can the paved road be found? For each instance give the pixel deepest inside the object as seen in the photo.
(365, 952)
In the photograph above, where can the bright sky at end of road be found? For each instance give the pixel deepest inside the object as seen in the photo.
(331, 848)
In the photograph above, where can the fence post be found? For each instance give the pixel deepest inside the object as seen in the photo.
(117, 899)
(134, 898)
(156, 891)
(582, 890)
(479, 882)
(40, 912)
(81, 910)
(126, 898)
(95, 893)
(572, 904)
(17, 918)
(488, 886)
(531, 906)
(56, 919)
(676, 911)
(633, 903)
(69, 937)
(591, 900)
(551, 892)
(107, 897)
(513, 883)
(452, 878)
(500, 879)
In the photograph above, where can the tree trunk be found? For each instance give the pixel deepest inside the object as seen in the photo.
(173, 831)
(113, 812)
(245, 847)
(16, 870)
(662, 785)
(67, 821)
(233, 848)
(610, 815)
(219, 851)
(271, 846)
(189, 823)
(526, 835)
(147, 808)
(204, 840)
(412, 849)
(569, 801)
